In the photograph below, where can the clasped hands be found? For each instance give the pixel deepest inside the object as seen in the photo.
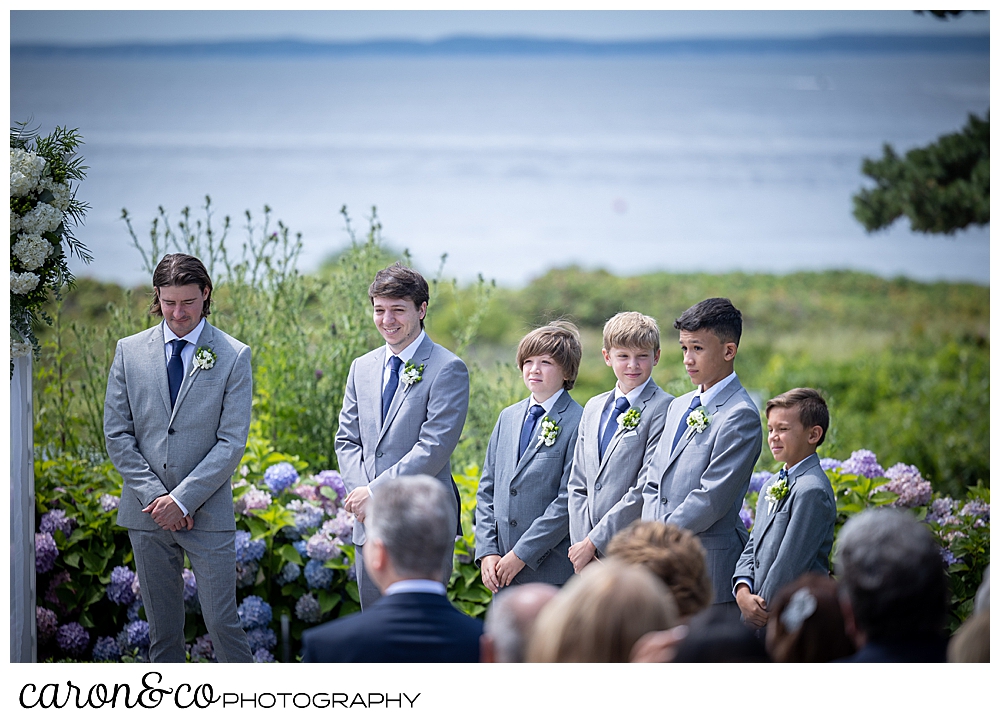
(168, 515)
(498, 572)
(357, 502)
(752, 606)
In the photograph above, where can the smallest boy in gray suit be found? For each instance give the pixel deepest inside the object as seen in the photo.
(796, 510)
(618, 435)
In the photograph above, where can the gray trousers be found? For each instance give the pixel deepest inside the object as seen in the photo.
(159, 559)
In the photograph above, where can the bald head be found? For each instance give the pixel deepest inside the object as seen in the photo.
(509, 621)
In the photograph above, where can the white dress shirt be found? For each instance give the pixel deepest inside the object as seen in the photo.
(187, 354)
(609, 405)
(546, 405)
(706, 396)
(404, 355)
(435, 587)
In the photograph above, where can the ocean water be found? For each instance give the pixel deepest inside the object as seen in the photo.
(512, 165)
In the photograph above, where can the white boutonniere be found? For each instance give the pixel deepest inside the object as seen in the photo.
(550, 430)
(204, 358)
(630, 420)
(411, 373)
(776, 492)
(698, 420)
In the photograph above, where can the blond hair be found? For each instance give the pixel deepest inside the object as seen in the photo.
(559, 339)
(631, 330)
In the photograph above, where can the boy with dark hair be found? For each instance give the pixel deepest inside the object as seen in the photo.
(522, 522)
(710, 443)
(796, 510)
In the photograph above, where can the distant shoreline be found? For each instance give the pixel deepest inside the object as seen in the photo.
(483, 46)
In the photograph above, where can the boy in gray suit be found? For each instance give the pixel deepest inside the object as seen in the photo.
(176, 418)
(796, 510)
(710, 443)
(522, 525)
(618, 435)
(404, 408)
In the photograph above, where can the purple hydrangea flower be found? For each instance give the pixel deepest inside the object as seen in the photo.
(46, 624)
(253, 612)
(289, 573)
(106, 650)
(862, 462)
(46, 552)
(905, 481)
(331, 478)
(253, 499)
(56, 520)
(119, 590)
(263, 656)
(307, 609)
(248, 550)
(138, 634)
(262, 638)
(190, 584)
(307, 516)
(322, 547)
(949, 557)
(306, 492)
(133, 611)
(757, 480)
(340, 526)
(202, 649)
(746, 514)
(73, 638)
(60, 578)
(109, 502)
(977, 509)
(317, 576)
(829, 463)
(279, 477)
(940, 510)
(246, 573)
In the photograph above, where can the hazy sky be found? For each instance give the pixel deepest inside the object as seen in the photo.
(136, 25)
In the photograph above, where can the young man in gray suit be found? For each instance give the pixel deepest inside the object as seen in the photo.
(796, 509)
(711, 441)
(176, 418)
(404, 407)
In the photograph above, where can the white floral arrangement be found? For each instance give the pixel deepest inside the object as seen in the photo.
(776, 492)
(412, 373)
(698, 420)
(630, 420)
(204, 358)
(550, 430)
(43, 211)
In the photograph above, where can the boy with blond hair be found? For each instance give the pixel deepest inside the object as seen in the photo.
(522, 530)
(618, 435)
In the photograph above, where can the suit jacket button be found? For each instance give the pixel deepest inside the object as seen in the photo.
(164, 466)
(378, 454)
(513, 523)
(663, 500)
(170, 431)
(513, 493)
(597, 486)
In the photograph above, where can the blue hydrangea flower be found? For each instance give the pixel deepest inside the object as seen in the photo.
(261, 638)
(746, 515)
(56, 520)
(317, 576)
(202, 649)
(119, 590)
(253, 612)
(279, 477)
(331, 478)
(73, 638)
(138, 634)
(300, 546)
(133, 611)
(46, 552)
(307, 609)
(263, 656)
(289, 573)
(949, 557)
(829, 463)
(248, 550)
(863, 462)
(46, 624)
(246, 573)
(757, 480)
(106, 650)
(322, 547)
(307, 516)
(905, 481)
(109, 502)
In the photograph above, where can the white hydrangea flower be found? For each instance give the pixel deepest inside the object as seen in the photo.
(19, 348)
(15, 222)
(42, 219)
(25, 171)
(23, 283)
(61, 192)
(32, 250)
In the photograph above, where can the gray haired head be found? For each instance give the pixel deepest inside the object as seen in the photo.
(413, 518)
(511, 615)
(892, 572)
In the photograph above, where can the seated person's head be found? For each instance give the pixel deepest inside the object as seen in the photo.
(715, 635)
(709, 334)
(671, 553)
(410, 526)
(892, 578)
(549, 358)
(796, 424)
(971, 642)
(509, 620)
(805, 622)
(600, 614)
(631, 348)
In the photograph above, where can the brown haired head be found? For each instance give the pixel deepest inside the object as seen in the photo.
(559, 339)
(806, 624)
(812, 408)
(631, 330)
(671, 553)
(180, 270)
(400, 282)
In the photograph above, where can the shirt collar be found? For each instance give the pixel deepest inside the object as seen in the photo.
(712, 392)
(632, 396)
(169, 335)
(432, 586)
(548, 403)
(798, 464)
(408, 352)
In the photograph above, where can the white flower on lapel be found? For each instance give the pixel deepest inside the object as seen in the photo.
(204, 358)
(775, 493)
(630, 420)
(698, 420)
(550, 430)
(411, 373)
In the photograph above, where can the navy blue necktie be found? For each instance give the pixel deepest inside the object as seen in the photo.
(695, 403)
(390, 386)
(527, 431)
(609, 431)
(175, 369)
(783, 474)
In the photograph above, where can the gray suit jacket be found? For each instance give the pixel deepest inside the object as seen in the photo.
(421, 428)
(605, 496)
(191, 451)
(700, 484)
(521, 505)
(795, 536)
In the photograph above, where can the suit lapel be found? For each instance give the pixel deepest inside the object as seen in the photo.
(784, 500)
(641, 403)
(158, 359)
(555, 415)
(420, 356)
(206, 338)
(682, 403)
